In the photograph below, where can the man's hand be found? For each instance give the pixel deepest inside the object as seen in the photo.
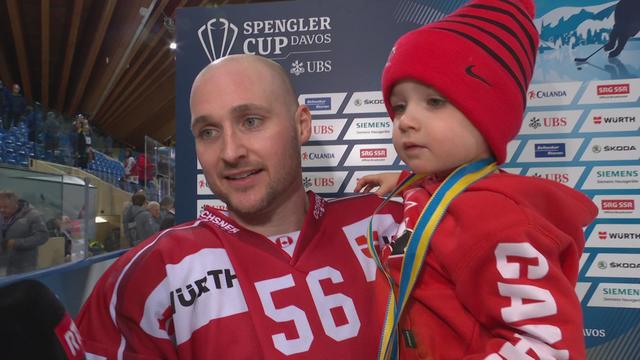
(385, 183)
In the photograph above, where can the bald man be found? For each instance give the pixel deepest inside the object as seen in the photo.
(283, 274)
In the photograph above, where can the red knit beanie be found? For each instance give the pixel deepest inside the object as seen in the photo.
(480, 58)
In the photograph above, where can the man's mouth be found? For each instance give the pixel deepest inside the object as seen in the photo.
(242, 175)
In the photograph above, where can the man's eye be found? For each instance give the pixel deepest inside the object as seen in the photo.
(207, 133)
(436, 102)
(252, 122)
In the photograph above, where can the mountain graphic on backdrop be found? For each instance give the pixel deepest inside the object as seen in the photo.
(575, 26)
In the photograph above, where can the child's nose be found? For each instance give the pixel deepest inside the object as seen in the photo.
(407, 120)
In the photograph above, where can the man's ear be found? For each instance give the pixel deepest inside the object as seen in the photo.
(303, 123)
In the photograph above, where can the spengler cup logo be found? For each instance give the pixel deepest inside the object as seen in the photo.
(217, 37)
(272, 38)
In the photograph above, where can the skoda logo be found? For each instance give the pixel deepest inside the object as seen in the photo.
(602, 265)
(596, 148)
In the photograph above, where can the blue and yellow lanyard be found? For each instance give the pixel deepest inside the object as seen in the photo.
(418, 243)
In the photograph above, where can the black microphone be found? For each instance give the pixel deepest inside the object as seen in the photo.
(35, 325)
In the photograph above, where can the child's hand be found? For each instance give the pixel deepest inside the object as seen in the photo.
(385, 182)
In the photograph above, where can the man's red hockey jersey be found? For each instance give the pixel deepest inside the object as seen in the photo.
(211, 289)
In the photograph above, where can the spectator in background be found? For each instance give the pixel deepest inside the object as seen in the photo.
(17, 105)
(22, 231)
(144, 170)
(80, 143)
(154, 209)
(33, 120)
(129, 167)
(138, 221)
(51, 132)
(88, 140)
(167, 213)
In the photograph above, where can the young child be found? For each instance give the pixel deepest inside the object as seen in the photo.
(499, 275)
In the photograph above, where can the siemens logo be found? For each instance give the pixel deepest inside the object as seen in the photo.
(373, 125)
(618, 173)
(618, 291)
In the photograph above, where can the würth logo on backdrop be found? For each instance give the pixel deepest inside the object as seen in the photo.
(217, 37)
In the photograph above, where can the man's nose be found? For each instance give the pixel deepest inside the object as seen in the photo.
(234, 147)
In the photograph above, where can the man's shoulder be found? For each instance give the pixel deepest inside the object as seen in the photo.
(170, 245)
(30, 213)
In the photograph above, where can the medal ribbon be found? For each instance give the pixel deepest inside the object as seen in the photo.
(418, 244)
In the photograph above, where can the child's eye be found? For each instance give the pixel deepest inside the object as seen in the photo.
(436, 102)
(398, 108)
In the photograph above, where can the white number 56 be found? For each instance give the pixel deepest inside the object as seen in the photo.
(324, 304)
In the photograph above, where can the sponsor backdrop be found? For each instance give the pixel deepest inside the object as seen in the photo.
(581, 127)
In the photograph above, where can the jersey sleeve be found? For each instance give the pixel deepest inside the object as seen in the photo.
(521, 291)
(112, 328)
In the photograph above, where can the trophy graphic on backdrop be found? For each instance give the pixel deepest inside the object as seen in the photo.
(217, 37)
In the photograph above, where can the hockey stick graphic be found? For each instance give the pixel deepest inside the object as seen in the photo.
(581, 60)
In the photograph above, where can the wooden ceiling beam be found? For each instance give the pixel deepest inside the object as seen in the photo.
(155, 117)
(136, 86)
(140, 91)
(123, 54)
(169, 127)
(46, 46)
(21, 51)
(68, 57)
(145, 104)
(159, 10)
(96, 44)
(139, 60)
(125, 81)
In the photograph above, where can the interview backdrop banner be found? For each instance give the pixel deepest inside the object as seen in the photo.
(581, 127)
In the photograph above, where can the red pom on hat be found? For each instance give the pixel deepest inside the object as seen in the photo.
(481, 58)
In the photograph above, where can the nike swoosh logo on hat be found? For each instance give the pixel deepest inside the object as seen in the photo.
(469, 71)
